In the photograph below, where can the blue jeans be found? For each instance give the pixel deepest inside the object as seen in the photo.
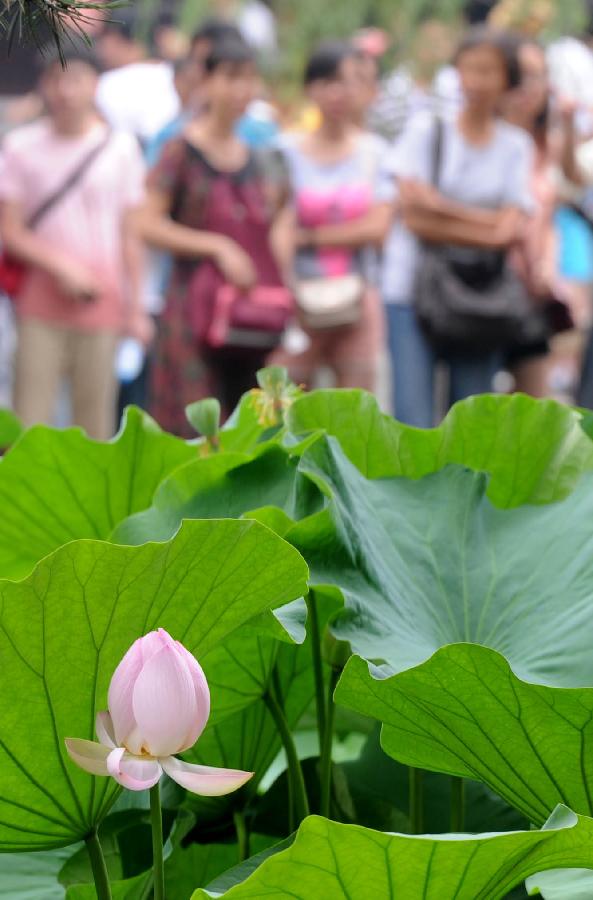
(413, 364)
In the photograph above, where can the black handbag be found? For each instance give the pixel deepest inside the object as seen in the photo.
(469, 297)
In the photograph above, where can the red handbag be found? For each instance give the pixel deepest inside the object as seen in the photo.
(12, 275)
(221, 315)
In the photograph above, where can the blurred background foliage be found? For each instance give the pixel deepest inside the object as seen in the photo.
(302, 23)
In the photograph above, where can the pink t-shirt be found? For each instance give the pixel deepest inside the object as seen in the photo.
(85, 224)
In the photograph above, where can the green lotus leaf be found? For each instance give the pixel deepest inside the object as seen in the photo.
(10, 429)
(65, 628)
(465, 713)
(59, 486)
(328, 859)
(534, 450)
(426, 563)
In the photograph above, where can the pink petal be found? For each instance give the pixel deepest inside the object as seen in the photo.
(104, 729)
(152, 642)
(206, 781)
(131, 772)
(202, 696)
(164, 703)
(89, 755)
(121, 692)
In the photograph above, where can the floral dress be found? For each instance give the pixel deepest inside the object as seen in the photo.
(184, 370)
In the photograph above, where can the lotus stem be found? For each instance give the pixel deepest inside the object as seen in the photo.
(100, 875)
(313, 621)
(301, 802)
(457, 804)
(156, 818)
(242, 834)
(325, 765)
(416, 806)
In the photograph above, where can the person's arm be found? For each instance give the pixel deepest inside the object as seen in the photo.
(138, 322)
(371, 228)
(22, 243)
(443, 229)
(436, 219)
(283, 240)
(155, 226)
(569, 162)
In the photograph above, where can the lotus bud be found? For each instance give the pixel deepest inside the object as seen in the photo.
(159, 704)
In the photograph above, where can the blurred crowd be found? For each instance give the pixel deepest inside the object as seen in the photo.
(419, 227)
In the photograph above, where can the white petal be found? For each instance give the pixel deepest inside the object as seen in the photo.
(206, 781)
(104, 729)
(164, 702)
(89, 755)
(132, 772)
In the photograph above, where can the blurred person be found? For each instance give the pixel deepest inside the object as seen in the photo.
(372, 41)
(170, 43)
(208, 187)
(257, 24)
(536, 256)
(570, 63)
(365, 86)
(137, 94)
(422, 81)
(211, 31)
(82, 287)
(478, 198)
(343, 208)
(258, 126)
(576, 190)
(476, 12)
(255, 21)
(134, 386)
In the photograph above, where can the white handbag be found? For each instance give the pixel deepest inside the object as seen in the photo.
(334, 302)
(330, 302)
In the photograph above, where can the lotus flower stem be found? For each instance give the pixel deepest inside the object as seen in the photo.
(156, 818)
(301, 802)
(325, 765)
(313, 621)
(100, 875)
(416, 807)
(457, 804)
(242, 834)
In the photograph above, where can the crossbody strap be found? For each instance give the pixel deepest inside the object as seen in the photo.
(437, 151)
(71, 181)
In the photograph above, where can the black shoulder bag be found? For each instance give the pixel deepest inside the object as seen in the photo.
(467, 297)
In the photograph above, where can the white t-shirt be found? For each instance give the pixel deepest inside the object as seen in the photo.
(139, 98)
(489, 177)
(570, 64)
(257, 24)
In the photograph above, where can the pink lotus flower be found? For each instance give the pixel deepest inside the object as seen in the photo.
(159, 703)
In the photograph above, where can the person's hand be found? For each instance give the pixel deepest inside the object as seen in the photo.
(140, 326)
(567, 109)
(235, 265)
(77, 281)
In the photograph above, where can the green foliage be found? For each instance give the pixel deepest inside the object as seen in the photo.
(534, 451)
(59, 486)
(10, 429)
(465, 713)
(66, 627)
(456, 564)
(332, 860)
